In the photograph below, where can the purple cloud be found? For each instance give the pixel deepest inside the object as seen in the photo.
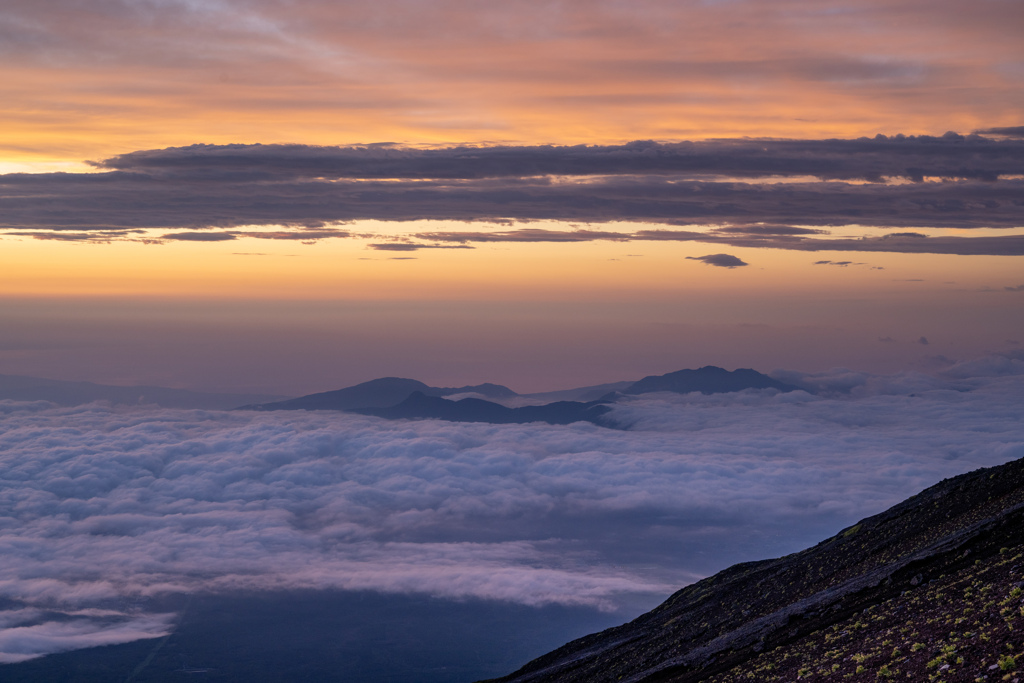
(720, 260)
(301, 189)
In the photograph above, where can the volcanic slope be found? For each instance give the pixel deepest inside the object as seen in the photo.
(929, 590)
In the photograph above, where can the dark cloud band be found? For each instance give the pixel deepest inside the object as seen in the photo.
(868, 159)
(303, 189)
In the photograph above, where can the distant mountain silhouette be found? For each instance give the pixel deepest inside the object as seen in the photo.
(378, 393)
(399, 398)
(64, 393)
(707, 380)
(419, 406)
(390, 392)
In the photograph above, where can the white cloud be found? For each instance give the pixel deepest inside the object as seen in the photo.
(989, 366)
(20, 643)
(101, 505)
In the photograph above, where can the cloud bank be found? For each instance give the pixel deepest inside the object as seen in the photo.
(759, 193)
(104, 508)
(914, 158)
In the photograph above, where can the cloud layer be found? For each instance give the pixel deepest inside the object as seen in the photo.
(104, 508)
(762, 193)
(911, 158)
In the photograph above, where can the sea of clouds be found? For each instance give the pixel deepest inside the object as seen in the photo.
(105, 508)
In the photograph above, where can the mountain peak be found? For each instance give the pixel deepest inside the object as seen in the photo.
(709, 379)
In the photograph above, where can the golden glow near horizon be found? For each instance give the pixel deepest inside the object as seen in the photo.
(349, 268)
(296, 318)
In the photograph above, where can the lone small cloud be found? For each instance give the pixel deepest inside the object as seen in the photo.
(923, 341)
(720, 260)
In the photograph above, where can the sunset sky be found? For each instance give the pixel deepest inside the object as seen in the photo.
(280, 197)
(295, 196)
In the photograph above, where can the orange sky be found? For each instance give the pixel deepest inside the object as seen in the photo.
(292, 318)
(89, 81)
(347, 269)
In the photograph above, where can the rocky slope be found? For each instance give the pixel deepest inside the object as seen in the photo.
(931, 589)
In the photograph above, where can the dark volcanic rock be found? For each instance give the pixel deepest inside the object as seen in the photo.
(707, 380)
(963, 625)
(419, 406)
(757, 610)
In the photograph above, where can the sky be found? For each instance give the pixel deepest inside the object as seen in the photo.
(283, 197)
(88, 81)
(289, 197)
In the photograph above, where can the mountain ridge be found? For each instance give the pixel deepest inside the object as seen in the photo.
(401, 398)
(740, 616)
